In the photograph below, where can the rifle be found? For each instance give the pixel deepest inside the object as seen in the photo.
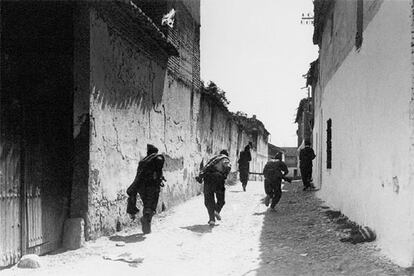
(285, 178)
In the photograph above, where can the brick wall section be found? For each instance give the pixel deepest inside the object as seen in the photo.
(186, 37)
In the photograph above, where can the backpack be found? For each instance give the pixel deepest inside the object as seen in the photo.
(145, 171)
(220, 163)
(272, 170)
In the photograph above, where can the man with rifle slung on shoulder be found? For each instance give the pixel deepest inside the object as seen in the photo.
(214, 174)
(147, 183)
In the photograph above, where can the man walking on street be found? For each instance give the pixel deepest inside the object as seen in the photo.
(214, 174)
(245, 158)
(306, 155)
(147, 183)
(274, 171)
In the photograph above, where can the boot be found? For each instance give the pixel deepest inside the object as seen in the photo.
(217, 215)
(146, 223)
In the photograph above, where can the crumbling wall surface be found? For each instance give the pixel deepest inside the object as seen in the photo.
(219, 129)
(261, 154)
(181, 149)
(140, 96)
(185, 35)
(216, 131)
(134, 101)
(368, 100)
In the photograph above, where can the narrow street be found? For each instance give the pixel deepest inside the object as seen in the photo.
(297, 239)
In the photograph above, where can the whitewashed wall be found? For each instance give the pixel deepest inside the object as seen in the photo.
(368, 100)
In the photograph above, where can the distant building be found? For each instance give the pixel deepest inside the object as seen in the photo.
(291, 160)
(289, 157)
(272, 150)
(251, 130)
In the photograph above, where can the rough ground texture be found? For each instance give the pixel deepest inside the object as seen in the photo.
(297, 239)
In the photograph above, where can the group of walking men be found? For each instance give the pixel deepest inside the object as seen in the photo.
(149, 180)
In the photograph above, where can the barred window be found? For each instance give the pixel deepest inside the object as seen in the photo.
(329, 144)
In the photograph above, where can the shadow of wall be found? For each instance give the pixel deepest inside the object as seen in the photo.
(127, 87)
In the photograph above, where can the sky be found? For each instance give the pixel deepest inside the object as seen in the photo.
(257, 52)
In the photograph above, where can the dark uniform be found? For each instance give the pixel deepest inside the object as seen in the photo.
(306, 155)
(274, 171)
(214, 186)
(147, 183)
(214, 174)
(245, 158)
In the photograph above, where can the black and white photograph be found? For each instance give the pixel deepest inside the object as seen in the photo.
(206, 137)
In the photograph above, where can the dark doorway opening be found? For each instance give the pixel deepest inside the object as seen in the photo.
(37, 119)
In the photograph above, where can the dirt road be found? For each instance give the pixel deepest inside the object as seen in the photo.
(297, 239)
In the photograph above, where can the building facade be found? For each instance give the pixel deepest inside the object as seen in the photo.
(363, 128)
(291, 160)
(84, 87)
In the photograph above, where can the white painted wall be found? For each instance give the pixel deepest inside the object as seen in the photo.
(368, 101)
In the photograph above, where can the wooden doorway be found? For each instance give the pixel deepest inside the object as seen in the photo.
(36, 125)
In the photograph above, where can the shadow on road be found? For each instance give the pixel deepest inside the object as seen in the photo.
(300, 239)
(284, 240)
(128, 239)
(199, 228)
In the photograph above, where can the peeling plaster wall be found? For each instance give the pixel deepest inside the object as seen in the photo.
(260, 156)
(135, 101)
(217, 130)
(140, 96)
(368, 99)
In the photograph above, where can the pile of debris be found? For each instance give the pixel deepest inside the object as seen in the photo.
(355, 233)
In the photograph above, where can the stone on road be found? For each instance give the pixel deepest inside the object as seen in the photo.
(296, 239)
(29, 261)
